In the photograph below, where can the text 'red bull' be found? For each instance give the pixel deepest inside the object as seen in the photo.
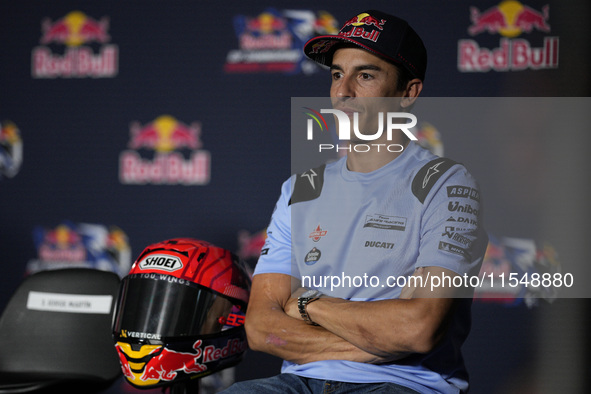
(511, 55)
(75, 63)
(165, 169)
(509, 19)
(359, 22)
(78, 60)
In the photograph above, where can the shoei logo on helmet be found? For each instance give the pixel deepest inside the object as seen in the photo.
(161, 262)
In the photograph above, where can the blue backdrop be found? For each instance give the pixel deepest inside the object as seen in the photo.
(154, 120)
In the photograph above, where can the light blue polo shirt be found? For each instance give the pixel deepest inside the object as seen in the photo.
(358, 236)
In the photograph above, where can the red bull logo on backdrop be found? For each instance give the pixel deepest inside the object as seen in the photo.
(509, 19)
(158, 151)
(11, 149)
(85, 245)
(79, 33)
(273, 41)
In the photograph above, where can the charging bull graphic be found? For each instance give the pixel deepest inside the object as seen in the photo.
(153, 364)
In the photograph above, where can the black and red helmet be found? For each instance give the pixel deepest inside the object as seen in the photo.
(181, 313)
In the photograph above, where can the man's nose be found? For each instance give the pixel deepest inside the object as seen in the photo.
(345, 88)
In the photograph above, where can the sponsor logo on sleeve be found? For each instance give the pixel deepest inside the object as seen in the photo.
(463, 192)
(463, 208)
(461, 219)
(453, 249)
(451, 233)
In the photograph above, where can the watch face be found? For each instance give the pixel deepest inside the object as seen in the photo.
(310, 293)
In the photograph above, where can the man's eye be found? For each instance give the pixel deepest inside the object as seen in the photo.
(336, 75)
(366, 76)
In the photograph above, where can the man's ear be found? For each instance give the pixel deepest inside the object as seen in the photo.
(412, 91)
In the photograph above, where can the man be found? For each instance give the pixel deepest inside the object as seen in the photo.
(377, 214)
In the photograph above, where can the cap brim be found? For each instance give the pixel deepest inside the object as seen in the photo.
(324, 57)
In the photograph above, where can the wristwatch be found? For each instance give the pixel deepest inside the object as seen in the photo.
(307, 297)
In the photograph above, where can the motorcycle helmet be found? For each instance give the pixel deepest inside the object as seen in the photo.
(180, 313)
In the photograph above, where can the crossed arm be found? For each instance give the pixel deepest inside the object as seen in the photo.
(369, 332)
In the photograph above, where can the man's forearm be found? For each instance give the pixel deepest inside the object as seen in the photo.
(296, 341)
(271, 330)
(396, 328)
(386, 328)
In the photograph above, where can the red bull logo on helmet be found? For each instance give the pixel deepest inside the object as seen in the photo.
(155, 364)
(167, 137)
(509, 19)
(78, 60)
(233, 346)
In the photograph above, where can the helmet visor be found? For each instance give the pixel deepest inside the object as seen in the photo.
(165, 306)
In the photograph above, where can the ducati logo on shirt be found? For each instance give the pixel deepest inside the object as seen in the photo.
(317, 234)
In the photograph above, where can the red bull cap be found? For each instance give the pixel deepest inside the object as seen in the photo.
(382, 34)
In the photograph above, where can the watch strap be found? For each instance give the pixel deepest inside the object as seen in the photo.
(302, 307)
